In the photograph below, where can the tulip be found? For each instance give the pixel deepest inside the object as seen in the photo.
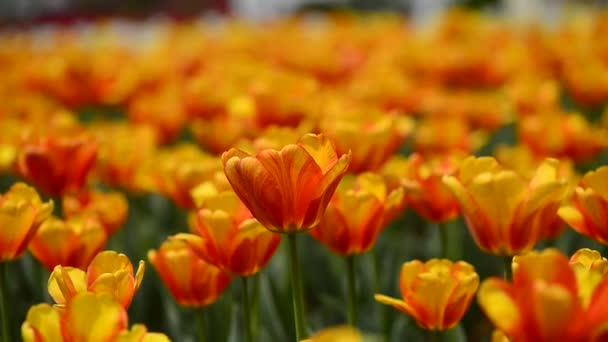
(73, 242)
(21, 214)
(544, 302)
(436, 293)
(287, 191)
(57, 164)
(86, 317)
(505, 213)
(372, 140)
(336, 334)
(110, 208)
(176, 171)
(108, 273)
(586, 211)
(190, 280)
(436, 135)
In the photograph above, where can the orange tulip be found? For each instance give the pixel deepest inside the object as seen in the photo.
(372, 139)
(21, 213)
(361, 207)
(230, 238)
(191, 281)
(336, 334)
(123, 147)
(587, 208)
(110, 208)
(562, 135)
(287, 191)
(505, 213)
(545, 302)
(176, 171)
(86, 317)
(436, 293)
(437, 135)
(73, 242)
(57, 164)
(425, 191)
(109, 273)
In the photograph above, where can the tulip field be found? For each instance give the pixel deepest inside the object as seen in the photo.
(323, 177)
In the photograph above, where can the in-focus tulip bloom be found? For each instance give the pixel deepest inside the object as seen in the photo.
(57, 164)
(372, 140)
(73, 242)
(21, 213)
(506, 213)
(176, 171)
(287, 191)
(589, 259)
(191, 281)
(229, 237)
(545, 302)
(336, 334)
(436, 294)
(587, 209)
(86, 317)
(110, 208)
(109, 273)
(360, 208)
(425, 190)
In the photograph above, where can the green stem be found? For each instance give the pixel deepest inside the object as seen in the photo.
(255, 317)
(508, 260)
(246, 309)
(58, 207)
(296, 287)
(6, 333)
(434, 336)
(445, 241)
(202, 324)
(352, 290)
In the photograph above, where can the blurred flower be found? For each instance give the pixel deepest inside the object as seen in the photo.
(73, 242)
(176, 171)
(590, 269)
(590, 260)
(542, 303)
(498, 336)
(562, 135)
(229, 237)
(360, 208)
(86, 317)
(123, 148)
(57, 164)
(218, 134)
(505, 213)
(586, 210)
(336, 334)
(161, 108)
(425, 191)
(532, 94)
(372, 138)
(191, 281)
(436, 135)
(436, 294)
(109, 273)
(21, 214)
(287, 191)
(110, 208)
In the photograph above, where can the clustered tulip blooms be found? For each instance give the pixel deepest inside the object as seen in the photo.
(313, 133)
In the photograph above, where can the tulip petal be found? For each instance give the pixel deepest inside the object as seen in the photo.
(42, 324)
(495, 298)
(93, 319)
(65, 283)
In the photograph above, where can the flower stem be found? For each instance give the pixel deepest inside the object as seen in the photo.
(296, 287)
(255, 316)
(246, 309)
(202, 325)
(508, 260)
(6, 334)
(352, 290)
(434, 336)
(445, 241)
